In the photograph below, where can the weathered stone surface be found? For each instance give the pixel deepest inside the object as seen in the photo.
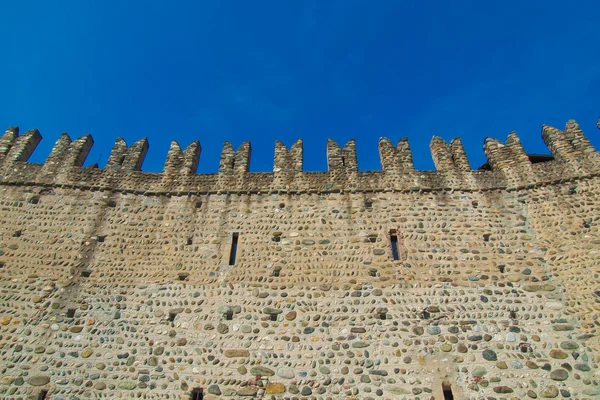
(39, 380)
(275, 388)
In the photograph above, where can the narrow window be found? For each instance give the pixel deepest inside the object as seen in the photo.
(273, 317)
(199, 204)
(281, 205)
(447, 391)
(486, 237)
(424, 314)
(86, 273)
(277, 272)
(190, 241)
(172, 316)
(197, 394)
(369, 204)
(343, 161)
(71, 312)
(17, 234)
(394, 243)
(229, 315)
(234, 245)
(501, 268)
(101, 238)
(373, 272)
(2, 264)
(383, 316)
(42, 395)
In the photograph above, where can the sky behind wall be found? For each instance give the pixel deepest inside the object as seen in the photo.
(217, 70)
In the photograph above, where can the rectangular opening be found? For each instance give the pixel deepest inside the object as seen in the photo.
(343, 161)
(369, 204)
(172, 316)
(234, 245)
(276, 239)
(373, 272)
(17, 234)
(190, 241)
(383, 316)
(86, 273)
(277, 272)
(42, 395)
(71, 312)
(501, 268)
(394, 244)
(199, 204)
(197, 394)
(447, 391)
(101, 238)
(229, 315)
(273, 317)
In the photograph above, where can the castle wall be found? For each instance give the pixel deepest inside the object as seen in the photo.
(116, 283)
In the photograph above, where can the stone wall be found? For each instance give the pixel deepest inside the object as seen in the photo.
(115, 283)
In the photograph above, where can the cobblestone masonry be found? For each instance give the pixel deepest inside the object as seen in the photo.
(116, 283)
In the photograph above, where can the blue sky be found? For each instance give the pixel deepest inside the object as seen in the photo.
(312, 69)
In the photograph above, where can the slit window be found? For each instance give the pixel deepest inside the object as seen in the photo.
(234, 248)
(42, 395)
(447, 391)
(197, 394)
(190, 241)
(86, 273)
(343, 161)
(71, 312)
(369, 204)
(229, 315)
(199, 204)
(383, 316)
(172, 316)
(273, 317)
(394, 244)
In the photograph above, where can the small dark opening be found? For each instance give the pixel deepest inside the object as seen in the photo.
(486, 237)
(182, 276)
(372, 239)
(86, 273)
(343, 161)
(501, 268)
(424, 314)
(394, 244)
(229, 315)
(199, 204)
(474, 204)
(111, 203)
(513, 315)
(572, 190)
(2, 264)
(197, 394)
(42, 395)
(369, 204)
(34, 200)
(234, 245)
(71, 312)
(281, 205)
(276, 239)
(447, 391)
(101, 238)
(383, 316)
(190, 241)
(172, 316)
(277, 272)
(273, 317)
(586, 224)
(373, 272)
(17, 234)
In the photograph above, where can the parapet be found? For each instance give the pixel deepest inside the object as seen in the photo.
(509, 166)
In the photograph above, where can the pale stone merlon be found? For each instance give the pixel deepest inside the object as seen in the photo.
(128, 158)
(395, 158)
(449, 157)
(182, 162)
(506, 156)
(341, 159)
(288, 161)
(568, 143)
(234, 162)
(67, 153)
(15, 148)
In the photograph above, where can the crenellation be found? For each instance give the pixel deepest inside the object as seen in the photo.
(395, 158)
(566, 144)
(7, 140)
(124, 158)
(341, 160)
(182, 162)
(21, 147)
(449, 157)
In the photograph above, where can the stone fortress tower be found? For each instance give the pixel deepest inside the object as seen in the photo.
(345, 284)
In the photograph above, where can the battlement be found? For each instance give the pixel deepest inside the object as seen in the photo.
(508, 167)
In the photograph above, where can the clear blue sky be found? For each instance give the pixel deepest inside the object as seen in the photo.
(219, 70)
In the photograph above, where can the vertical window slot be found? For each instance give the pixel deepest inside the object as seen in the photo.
(394, 244)
(234, 248)
(197, 394)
